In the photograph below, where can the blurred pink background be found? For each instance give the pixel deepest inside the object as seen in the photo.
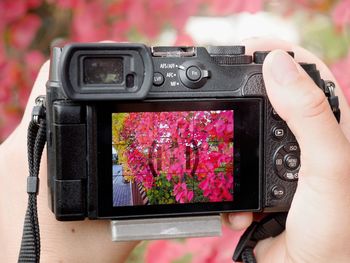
(27, 27)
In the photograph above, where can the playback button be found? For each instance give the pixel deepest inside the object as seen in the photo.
(279, 132)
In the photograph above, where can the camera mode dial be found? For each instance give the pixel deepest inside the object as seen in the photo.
(229, 55)
(226, 50)
(193, 75)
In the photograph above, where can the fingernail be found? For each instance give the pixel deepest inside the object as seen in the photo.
(283, 68)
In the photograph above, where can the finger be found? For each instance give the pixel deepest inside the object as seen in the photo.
(303, 55)
(238, 221)
(305, 108)
(325, 164)
(271, 250)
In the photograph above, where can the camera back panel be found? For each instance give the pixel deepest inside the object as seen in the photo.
(82, 100)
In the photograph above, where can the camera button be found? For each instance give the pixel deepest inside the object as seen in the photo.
(278, 162)
(193, 73)
(292, 147)
(279, 132)
(278, 191)
(291, 176)
(291, 161)
(158, 79)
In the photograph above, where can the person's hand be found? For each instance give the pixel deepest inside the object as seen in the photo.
(317, 228)
(80, 241)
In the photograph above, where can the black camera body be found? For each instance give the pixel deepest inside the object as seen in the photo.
(136, 131)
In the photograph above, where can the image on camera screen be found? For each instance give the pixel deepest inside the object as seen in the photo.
(176, 157)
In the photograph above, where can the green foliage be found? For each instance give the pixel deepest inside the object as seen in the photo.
(320, 36)
(193, 183)
(137, 255)
(162, 192)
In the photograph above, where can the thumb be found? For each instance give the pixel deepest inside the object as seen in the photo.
(303, 105)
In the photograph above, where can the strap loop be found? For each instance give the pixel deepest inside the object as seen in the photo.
(36, 139)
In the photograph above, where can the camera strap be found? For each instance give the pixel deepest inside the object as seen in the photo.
(275, 223)
(36, 139)
(271, 226)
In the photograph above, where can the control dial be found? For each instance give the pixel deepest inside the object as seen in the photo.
(259, 56)
(193, 75)
(226, 50)
(287, 161)
(229, 55)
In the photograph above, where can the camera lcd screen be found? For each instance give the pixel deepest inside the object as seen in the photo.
(100, 70)
(175, 157)
(178, 157)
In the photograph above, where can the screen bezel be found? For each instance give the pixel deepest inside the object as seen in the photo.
(247, 157)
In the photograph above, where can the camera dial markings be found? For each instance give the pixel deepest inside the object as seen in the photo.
(287, 161)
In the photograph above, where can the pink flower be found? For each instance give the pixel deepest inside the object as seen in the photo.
(226, 7)
(217, 249)
(9, 75)
(119, 30)
(220, 127)
(24, 30)
(341, 74)
(34, 60)
(89, 22)
(163, 251)
(182, 194)
(10, 117)
(31, 4)
(66, 3)
(182, 11)
(139, 17)
(3, 57)
(205, 249)
(341, 13)
(5, 94)
(183, 39)
(11, 10)
(10, 113)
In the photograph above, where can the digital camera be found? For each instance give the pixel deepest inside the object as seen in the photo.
(138, 132)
